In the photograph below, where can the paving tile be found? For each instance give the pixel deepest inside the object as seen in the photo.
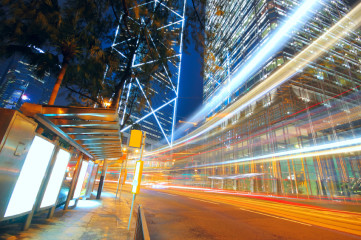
(91, 219)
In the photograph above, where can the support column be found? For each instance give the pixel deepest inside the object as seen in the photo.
(74, 180)
(101, 181)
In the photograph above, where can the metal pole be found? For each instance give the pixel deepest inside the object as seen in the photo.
(143, 146)
(101, 181)
(131, 211)
(119, 179)
(141, 155)
(96, 176)
(121, 186)
(74, 180)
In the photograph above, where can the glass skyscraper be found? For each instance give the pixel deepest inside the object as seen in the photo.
(302, 138)
(158, 92)
(241, 27)
(18, 83)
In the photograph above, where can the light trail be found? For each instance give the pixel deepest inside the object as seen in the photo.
(265, 51)
(321, 45)
(268, 215)
(319, 150)
(261, 196)
(355, 110)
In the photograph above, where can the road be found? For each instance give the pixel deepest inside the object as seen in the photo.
(181, 214)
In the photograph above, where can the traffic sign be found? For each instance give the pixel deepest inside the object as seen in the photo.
(135, 138)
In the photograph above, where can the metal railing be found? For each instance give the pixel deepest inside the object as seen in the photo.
(141, 229)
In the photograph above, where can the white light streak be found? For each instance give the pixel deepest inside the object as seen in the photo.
(332, 148)
(312, 52)
(264, 52)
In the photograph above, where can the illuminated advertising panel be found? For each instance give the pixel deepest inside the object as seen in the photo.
(81, 178)
(32, 173)
(56, 178)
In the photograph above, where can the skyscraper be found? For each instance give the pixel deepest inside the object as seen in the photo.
(159, 90)
(240, 29)
(18, 83)
(299, 138)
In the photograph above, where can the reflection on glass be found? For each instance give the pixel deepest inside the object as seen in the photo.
(81, 178)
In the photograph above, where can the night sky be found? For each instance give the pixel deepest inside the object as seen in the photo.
(191, 84)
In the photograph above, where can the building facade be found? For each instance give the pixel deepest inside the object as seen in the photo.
(302, 138)
(156, 92)
(18, 84)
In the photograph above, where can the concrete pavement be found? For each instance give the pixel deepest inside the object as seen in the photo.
(187, 215)
(91, 219)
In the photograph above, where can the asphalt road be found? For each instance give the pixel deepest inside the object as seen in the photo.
(175, 214)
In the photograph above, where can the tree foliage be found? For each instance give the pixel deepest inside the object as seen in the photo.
(56, 37)
(144, 46)
(148, 35)
(74, 39)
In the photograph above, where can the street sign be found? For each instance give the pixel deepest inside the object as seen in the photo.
(137, 177)
(135, 138)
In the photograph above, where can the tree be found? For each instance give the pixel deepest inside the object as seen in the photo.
(76, 37)
(144, 47)
(57, 37)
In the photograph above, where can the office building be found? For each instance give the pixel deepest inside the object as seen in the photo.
(300, 139)
(18, 83)
(158, 92)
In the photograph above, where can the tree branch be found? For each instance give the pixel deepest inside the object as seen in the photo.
(130, 113)
(83, 95)
(198, 17)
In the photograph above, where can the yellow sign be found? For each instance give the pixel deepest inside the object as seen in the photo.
(135, 138)
(137, 177)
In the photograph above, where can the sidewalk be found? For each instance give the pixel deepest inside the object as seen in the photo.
(91, 219)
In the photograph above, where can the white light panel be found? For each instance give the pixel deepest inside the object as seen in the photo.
(31, 175)
(56, 178)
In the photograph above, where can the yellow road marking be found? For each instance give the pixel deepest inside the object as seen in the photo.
(276, 217)
(340, 221)
(203, 200)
